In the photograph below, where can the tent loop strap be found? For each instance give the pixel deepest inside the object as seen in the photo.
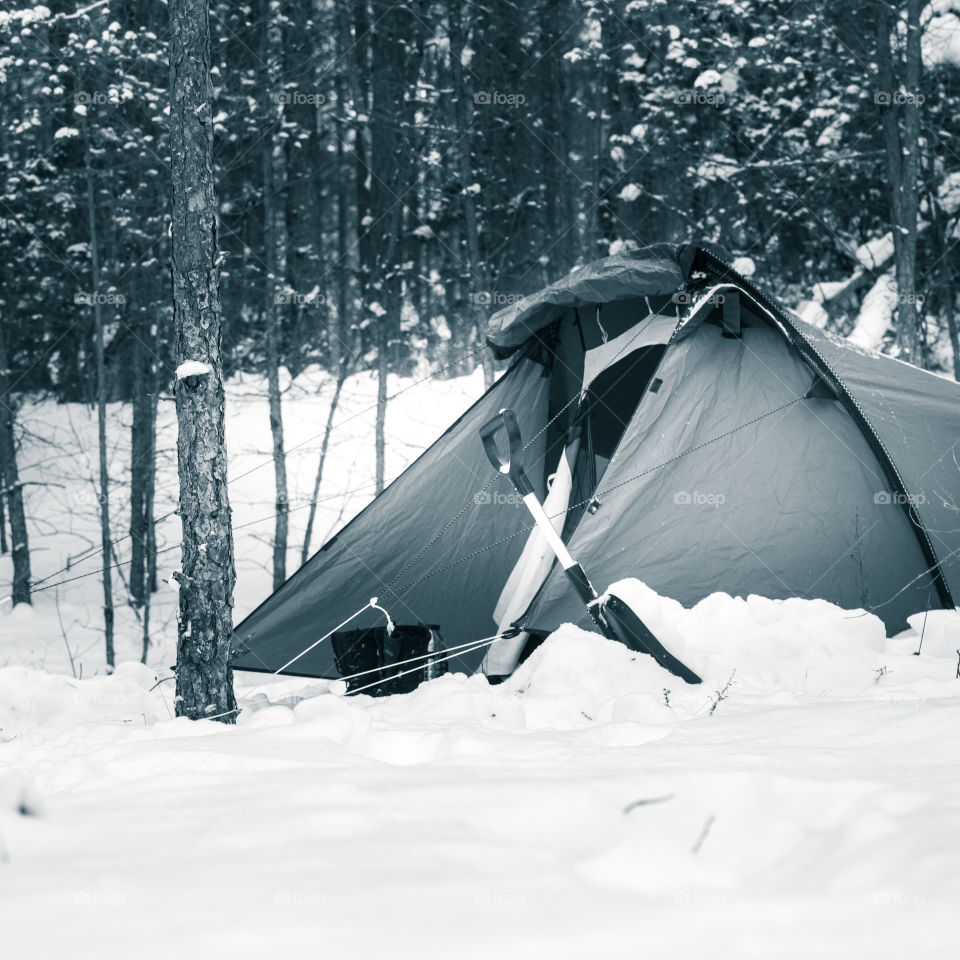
(603, 333)
(391, 626)
(372, 602)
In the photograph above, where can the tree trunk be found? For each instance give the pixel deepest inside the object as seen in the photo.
(902, 148)
(952, 331)
(3, 517)
(12, 487)
(139, 467)
(478, 274)
(204, 677)
(942, 248)
(275, 242)
(324, 446)
(340, 334)
(149, 498)
(143, 432)
(382, 372)
(105, 539)
(391, 43)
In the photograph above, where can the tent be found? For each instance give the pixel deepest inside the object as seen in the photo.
(685, 431)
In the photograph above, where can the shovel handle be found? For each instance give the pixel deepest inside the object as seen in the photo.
(510, 465)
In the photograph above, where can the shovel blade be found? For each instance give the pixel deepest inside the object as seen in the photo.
(631, 631)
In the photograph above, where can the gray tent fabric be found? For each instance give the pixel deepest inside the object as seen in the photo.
(782, 462)
(654, 329)
(367, 558)
(650, 272)
(916, 416)
(785, 505)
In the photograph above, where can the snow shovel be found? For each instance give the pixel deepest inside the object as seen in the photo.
(614, 618)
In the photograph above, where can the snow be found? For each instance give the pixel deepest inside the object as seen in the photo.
(708, 78)
(630, 192)
(593, 805)
(812, 312)
(940, 43)
(801, 801)
(193, 368)
(876, 313)
(25, 17)
(875, 253)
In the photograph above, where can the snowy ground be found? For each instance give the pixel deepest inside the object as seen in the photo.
(803, 801)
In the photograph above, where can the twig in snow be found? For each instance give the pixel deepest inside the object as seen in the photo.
(63, 633)
(666, 696)
(164, 699)
(721, 695)
(647, 802)
(881, 673)
(703, 833)
(922, 631)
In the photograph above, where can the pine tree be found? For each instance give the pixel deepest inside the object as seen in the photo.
(204, 677)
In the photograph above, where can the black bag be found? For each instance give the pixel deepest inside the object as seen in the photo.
(375, 653)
